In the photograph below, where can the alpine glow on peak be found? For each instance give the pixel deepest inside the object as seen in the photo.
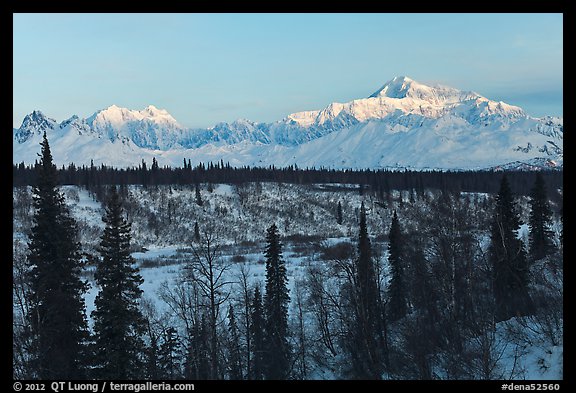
(404, 124)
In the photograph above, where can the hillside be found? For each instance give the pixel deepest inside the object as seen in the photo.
(316, 247)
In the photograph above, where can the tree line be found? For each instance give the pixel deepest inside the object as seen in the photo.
(426, 308)
(369, 180)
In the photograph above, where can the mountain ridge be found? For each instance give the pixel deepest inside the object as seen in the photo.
(441, 115)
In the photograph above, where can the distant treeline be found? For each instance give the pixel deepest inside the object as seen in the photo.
(376, 181)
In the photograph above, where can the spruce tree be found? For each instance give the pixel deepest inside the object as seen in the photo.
(420, 287)
(169, 355)
(58, 316)
(540, 220)
(197, 365)
(365, 349)
(257, 335)
(199, 200)
(339, 213)
(152, 367)
(276, 302)
(508, 258)
(118, 322)
(234, 359)
(196, 232)
(397, 307)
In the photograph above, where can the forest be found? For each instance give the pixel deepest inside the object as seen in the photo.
(380, 181)
(365, 275)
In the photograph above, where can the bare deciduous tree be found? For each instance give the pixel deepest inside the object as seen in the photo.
(207, 270)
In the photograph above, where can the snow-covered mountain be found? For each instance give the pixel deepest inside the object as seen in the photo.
(150, 128)
(404, 124)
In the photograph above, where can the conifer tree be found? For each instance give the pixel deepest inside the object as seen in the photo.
(197, 365)
(507, 256)
(365, 350)
(257, 336)
(169, 354)
(276, 302)
(151, 356)
(118, 322)
(339, 213)
(540, 235)
(196, 232)
(234, 360)
(199, 200)
(396, 292)
(58, 316)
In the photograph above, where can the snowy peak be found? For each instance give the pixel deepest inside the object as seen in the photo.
(402, 87)
(74, 123)
(150, 127)
(403, 101)
(113, 116)
(158, 116)
(38, 121)
(116, 116)
(35, 123)
(397, 87)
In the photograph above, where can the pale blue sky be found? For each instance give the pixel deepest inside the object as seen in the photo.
(207, 68)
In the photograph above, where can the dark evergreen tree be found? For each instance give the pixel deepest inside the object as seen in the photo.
(423, 295)
(397, 303)
(58, 317)
(540, 236)
(339, 213)
(199, 200)
(508, 257)
(234, 358)
(154, 164)
(169, 355)
(151, 355)
(257, 334)
(365, 348)
(420, 331)
(276, 302)
(197, 365)
(196, 232)
(118, 322)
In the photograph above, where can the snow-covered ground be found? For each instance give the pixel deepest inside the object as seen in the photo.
(532, 359)
(163, 219)
(168, 271)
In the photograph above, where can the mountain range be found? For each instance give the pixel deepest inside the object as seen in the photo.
(404, 124)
